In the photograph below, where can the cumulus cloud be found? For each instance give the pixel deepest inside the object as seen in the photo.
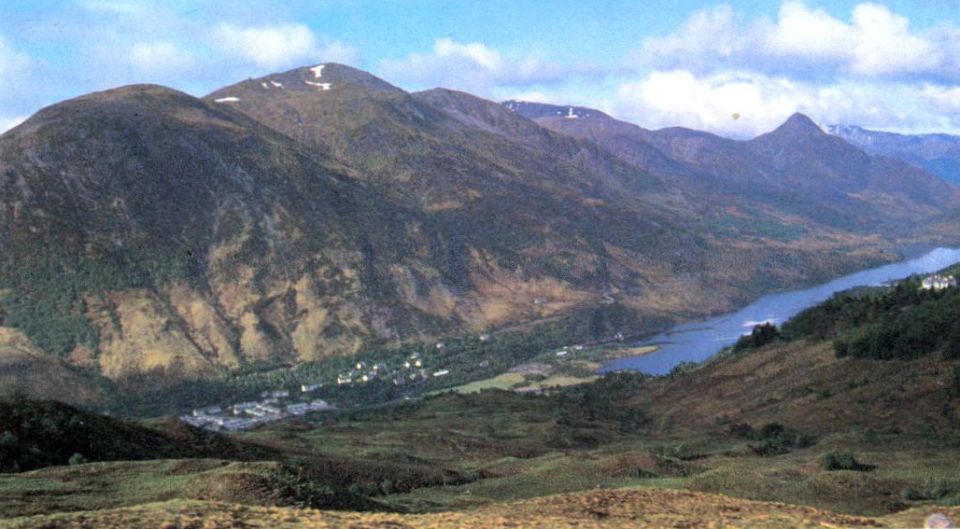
(272, 47)
(802, 41)
(710, 38)
(762, 102)
(475, 67)
(679, 97)
(160, 56)
(870, 68)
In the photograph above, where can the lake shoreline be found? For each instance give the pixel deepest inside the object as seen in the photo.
(699, 340)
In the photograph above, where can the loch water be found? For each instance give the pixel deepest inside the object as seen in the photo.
(697, 341)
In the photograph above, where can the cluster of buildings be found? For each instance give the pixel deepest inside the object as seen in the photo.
(278, 404)
(411, 370)
(938, 282)
(566, 350)
(272, 406)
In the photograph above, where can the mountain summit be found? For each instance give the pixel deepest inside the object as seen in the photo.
(798, 125)
(312, 79)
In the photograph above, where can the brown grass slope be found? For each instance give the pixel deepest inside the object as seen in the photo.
(599, 509)
(804, 385)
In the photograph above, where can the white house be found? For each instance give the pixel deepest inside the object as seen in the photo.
(938, 282)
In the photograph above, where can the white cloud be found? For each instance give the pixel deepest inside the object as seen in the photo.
(475, 67)
(870, 69)
(710, 37)
(474, 52)
(803, 41)
(885, 45)
(273, 47)
(734, 103)
(160, 56)
(762, 102)
(808, 32)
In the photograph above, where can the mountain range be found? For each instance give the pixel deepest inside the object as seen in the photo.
(938, 154)
(150, 237)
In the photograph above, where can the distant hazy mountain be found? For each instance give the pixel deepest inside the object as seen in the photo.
(937, 153)
(147, 236)
(796, 168)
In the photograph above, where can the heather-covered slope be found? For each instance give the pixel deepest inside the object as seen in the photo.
(149, 236)
(518, 176)
(36, 434)
(588, 510)
(145, 230)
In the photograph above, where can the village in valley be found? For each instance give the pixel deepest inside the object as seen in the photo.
(282, 403)
(410, 369)
(272, 406)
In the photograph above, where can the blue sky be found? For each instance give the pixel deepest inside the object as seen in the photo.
(893, 64)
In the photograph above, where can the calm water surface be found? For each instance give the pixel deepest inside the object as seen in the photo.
(699, 340)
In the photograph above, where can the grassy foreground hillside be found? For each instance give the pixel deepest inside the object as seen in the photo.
(599, 509)
(778, 432)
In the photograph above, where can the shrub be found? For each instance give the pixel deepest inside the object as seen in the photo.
(632, 420)
(386, 487)
(682, 368)
(911, 494)
(804, 440)
(774, 438)
(770, 447)
(771, 430)
(76, 459)
(938, 489)
(742, 430)
(761, 335)
(842, 461)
